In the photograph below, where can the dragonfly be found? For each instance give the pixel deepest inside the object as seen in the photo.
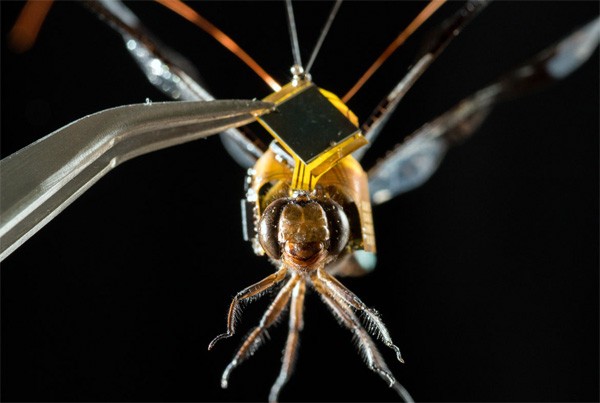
(222, 265)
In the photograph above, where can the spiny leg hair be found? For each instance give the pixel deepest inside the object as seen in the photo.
(296, 323)
(348, 319)
(253, 341)
(346, 297)
(246, 293)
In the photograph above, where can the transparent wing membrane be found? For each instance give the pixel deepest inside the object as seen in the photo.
(168, 71)
(411, 163)
(438, 41)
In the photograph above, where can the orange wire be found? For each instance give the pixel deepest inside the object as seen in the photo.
(23, 34)
(192, 16)
(402, 37)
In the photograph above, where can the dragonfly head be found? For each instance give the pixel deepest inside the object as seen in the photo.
(303, 232)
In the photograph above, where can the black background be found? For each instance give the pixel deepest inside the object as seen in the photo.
(487, 275)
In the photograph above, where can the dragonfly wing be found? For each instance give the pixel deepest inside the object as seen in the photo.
(168, 71)
(412, 162)
(437, 41)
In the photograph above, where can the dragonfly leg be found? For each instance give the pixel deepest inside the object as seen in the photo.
(254, 339)
(291, 347)
(246, 293)
(346, 297)
(348, 318)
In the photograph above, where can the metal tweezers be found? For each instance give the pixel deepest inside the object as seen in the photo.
(42, 179)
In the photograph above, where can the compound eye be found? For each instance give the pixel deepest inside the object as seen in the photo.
(339, 227)
(268, 228)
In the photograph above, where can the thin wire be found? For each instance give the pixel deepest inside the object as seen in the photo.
(400, 39)
(324, 32)
(192, 16)
(293, 33)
